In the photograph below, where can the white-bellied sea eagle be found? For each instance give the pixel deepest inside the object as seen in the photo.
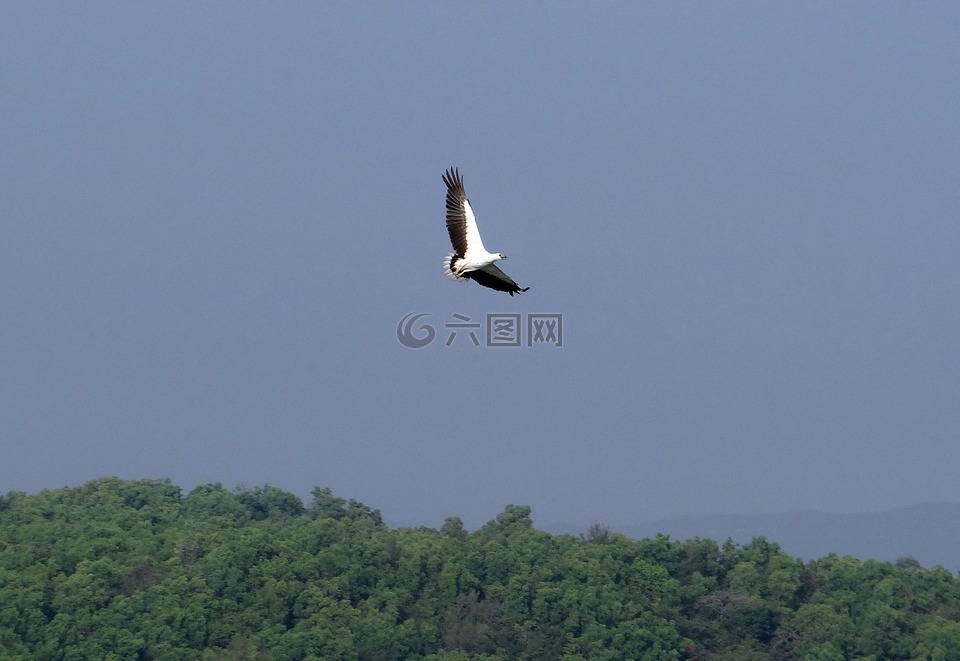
(470, 260)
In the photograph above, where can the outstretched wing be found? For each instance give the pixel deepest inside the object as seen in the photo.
(491, 276)
(461, 223)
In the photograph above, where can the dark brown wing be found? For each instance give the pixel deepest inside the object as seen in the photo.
(492, 277)
(456, 211)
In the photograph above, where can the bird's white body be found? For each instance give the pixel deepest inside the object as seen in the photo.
(476, 255)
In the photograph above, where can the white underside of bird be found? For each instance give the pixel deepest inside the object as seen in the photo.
(454, 267)
(476, 256)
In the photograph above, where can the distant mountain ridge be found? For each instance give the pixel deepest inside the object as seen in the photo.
(928, 533)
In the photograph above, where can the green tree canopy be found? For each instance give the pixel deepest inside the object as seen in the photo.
(118, 569)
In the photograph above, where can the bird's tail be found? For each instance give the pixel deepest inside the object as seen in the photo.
(450, 266)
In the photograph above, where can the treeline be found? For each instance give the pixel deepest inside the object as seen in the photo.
(136, 570)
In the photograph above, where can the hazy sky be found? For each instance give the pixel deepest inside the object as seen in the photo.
(214, 215)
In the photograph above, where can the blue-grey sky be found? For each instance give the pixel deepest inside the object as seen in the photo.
(215, 214)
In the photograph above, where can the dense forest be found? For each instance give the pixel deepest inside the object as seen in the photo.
(120, 569)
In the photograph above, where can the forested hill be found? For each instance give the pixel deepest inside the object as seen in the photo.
(136, 570)
(927, 532)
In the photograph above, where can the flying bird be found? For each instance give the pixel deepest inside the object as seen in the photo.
(470, 260)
